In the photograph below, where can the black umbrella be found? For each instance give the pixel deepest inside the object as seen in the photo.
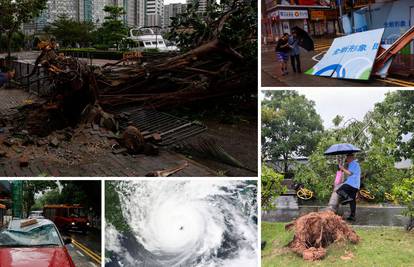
(5, 187)
(341, 149)
(305, 40)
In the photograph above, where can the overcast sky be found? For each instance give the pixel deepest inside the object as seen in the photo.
(347, 102)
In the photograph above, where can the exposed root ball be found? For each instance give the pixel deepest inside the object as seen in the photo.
(315, 231)
(133, 140)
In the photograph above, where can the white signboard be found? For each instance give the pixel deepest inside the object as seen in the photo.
(293, 14)
(350, 57)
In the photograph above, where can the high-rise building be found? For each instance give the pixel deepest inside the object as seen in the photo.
(97, 14)
(74, 9)
(134, 11)
(202, 4)
(154, 13)
(87, 10)
(171, 11)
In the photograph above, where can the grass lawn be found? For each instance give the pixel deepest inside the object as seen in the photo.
(379, 246)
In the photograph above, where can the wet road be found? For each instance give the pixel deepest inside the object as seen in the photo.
(371, 215)
(85, 250)
(272, 77)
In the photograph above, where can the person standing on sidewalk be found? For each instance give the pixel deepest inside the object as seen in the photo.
(282, 52)
(295, 52)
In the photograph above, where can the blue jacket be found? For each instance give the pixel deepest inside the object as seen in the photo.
(3, 78)
(354, 179)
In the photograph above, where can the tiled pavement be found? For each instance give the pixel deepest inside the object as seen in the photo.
(89, 154)
(11, 98)
(106, 164)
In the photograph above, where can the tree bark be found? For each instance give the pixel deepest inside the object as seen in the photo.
(333, 203)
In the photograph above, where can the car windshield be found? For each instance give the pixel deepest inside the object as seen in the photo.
(77, 212)
(43, 236)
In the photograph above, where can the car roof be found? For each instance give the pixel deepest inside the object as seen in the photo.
(18, 224)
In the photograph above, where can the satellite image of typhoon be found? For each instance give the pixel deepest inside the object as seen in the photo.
(181, 223)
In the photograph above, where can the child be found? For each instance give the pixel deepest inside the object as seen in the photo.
(282, 52)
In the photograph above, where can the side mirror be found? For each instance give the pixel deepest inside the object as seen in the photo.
(67, 240)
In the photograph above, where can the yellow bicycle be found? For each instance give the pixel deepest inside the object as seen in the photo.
(366, 194)
(304, 194)
(389, 197)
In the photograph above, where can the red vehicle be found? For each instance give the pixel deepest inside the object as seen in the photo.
(34, 243)
(67, 217)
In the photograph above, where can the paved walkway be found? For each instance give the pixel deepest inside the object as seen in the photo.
(12, 98)
(104, 165)
(272, 76)
(89, 154)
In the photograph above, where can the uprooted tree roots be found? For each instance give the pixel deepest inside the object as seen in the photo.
(315, 231)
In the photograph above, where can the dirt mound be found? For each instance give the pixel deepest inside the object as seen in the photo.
(315, 231)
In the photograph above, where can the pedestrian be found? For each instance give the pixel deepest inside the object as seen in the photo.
(295, 52)
(6, 77)
(282, 52)
(348, 190)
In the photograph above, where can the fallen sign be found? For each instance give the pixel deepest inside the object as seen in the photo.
(358, 56)
(350, 57)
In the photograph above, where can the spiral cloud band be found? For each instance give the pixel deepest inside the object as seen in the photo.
(186, 223)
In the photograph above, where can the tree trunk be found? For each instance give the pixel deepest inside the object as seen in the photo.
(334, 200)
(9, 40)
(286, 164)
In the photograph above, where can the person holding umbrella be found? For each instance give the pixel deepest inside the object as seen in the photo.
(346, 192)
(295, 52)
(349, 189)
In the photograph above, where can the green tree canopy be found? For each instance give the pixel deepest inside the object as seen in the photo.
(376, 135)
(291, 127)
(33, 187)
(234, 22)
(87, 193)
(113, 29)
(404, 192)
(400, 105)
(271, 187)
(13, 13)
(68, 31)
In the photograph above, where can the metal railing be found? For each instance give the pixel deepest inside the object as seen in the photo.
(39, 83)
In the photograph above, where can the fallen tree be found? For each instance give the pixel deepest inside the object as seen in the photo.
(218, 63)
(315, 231)
(219, 60)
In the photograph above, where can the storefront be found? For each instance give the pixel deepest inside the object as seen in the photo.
(284, 20)
(318, 17)
(323, 22)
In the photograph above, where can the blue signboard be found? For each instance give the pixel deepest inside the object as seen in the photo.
(393, 16)
(350, 57)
